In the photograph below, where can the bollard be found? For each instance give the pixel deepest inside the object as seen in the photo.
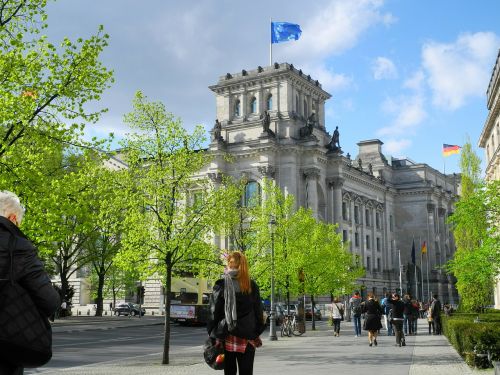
(152, 313)
(497, 367)
(88, 312)
(105, 313)
(79, 312)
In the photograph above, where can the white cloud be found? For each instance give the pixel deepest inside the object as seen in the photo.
(461, 69)
(416, 81)
(337, 27)
(396, 146)
(384, 68)
(409, 112)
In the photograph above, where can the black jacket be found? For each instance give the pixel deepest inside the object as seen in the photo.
(249, 310)
(398, 307)
(28, 270)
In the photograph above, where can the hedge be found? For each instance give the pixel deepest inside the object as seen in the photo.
(473, 339)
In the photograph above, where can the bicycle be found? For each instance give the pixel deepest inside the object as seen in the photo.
(290, 326)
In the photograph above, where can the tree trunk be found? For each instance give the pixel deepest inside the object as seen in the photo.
(100, 287)
(168, 290)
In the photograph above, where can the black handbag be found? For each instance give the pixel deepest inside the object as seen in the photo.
(25, 335)
(213, 355)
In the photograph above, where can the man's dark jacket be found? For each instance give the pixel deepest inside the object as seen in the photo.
(28, 270)
(249, 310)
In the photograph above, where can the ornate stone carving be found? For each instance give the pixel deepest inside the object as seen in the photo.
(311, 172)
(441, 211)
(215, 177)
(267, 171)
(430, 207)
(335, 182)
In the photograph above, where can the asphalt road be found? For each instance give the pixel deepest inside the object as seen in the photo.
(73, 347)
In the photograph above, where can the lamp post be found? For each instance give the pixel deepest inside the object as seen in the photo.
(272, 318)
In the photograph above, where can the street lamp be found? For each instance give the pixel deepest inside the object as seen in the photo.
(272, 318)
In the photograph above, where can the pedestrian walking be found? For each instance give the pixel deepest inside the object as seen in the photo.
(373, 313)
(430, 321)
(414, 315)
(386, 307)
(236, 319)
(337, 315)
(407, 315)
(436, 314)
(20, 265)
(398, 307)
(355, 303)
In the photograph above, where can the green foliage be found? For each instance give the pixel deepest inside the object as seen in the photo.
(475, 228)
(470, 338)
(43, 85)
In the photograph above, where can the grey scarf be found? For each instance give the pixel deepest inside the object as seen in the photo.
(230, 298)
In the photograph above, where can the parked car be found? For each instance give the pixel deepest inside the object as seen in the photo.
(128, 308)
(280, 314)
(317, 313)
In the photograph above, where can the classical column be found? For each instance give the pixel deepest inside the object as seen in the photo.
(312, 175)
(216, 178)
(267, 172)
(336, 184)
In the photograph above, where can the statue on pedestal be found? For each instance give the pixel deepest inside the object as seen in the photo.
(334, 145)
(217, 131)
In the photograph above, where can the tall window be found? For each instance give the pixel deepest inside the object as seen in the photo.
(252, 194)
(368, 263)
(377, 220)
(297, 103)
(344, 236)
(269, 103)
(356, 239)
(367, 217)
(253, 105)
(391, 223)
(344, 211)
(305, 109)
(356, 214)
(378, 244)
(237, 108)
(368, 246)
(379, 268)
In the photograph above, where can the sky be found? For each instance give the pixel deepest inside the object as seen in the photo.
(413, 74)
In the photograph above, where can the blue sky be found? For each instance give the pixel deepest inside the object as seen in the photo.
(412, 73)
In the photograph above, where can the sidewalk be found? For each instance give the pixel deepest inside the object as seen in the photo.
(316, 352)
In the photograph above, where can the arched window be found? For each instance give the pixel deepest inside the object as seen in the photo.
(252, 194)
(237, 108)
(305, 109)
(253, 105)
(269, 103)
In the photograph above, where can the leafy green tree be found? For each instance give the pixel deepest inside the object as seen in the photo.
(45, 87)
(172, 210)
(104, 243)
(476, 262)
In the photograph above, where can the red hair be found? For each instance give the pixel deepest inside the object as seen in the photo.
(243, 275)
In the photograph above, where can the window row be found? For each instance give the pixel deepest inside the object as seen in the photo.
(252, 105)
(358, 218)
(368, 241)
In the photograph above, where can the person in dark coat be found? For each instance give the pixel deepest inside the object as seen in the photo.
(436, 314)
(28, 270)
(237, 316)
(398, 307)
(373, 313)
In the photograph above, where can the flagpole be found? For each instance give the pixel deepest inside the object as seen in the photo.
(271, 44)
(400, 279)
(421, 267)
(415, 266)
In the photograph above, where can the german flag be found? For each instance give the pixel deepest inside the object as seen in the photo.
(450, 149)
(424, 248)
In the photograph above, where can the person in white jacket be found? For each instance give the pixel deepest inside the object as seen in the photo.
(337, 315)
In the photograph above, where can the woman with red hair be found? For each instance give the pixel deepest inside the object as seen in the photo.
(236, 319)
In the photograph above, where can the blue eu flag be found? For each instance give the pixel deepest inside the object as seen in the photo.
(284, 32)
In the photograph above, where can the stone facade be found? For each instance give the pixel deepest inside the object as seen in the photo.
(490, 139)
(272, 121)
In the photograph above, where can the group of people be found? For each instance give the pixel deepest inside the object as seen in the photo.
(399, 315)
